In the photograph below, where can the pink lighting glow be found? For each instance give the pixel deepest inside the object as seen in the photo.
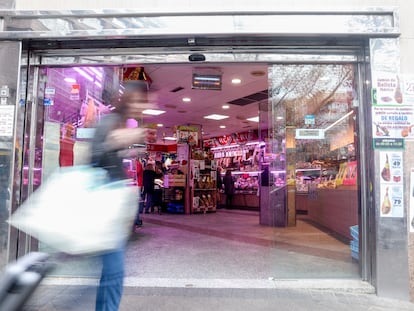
(70, 80)
(83, 73)
(97, 72)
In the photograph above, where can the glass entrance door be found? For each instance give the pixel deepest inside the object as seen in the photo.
(308, 160)
(313, 160)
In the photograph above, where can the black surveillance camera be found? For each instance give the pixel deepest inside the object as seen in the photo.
(196, 58)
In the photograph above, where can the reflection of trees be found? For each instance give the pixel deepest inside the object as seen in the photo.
(301, 89)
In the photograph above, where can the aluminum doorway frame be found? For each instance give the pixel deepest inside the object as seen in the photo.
(49, 58)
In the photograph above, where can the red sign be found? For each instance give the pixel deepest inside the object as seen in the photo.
(162, 148)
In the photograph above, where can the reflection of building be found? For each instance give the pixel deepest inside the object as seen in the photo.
(353, 48)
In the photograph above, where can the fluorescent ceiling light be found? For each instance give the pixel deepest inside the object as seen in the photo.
(70, 80)
(222, 126)
(153, 112)
(160, 125)
(254, 119)
(170, 138)
(279, 118)
(186, 99)
(236, 81)
(83, 73)
(225, 106)
(339, 120)
(216, 117)
(96, 71)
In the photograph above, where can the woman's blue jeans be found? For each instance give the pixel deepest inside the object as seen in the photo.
(111, 284)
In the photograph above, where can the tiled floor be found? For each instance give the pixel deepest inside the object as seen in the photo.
(226, 245)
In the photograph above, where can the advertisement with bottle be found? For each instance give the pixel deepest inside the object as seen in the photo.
(392, 194)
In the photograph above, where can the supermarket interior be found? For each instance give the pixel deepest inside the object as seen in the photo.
(255, 162)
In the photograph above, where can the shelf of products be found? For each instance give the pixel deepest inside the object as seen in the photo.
(306, 178)
(204, 186)
(174, 193)
(173, 199)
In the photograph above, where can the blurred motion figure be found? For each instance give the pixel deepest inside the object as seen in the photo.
(111, 138)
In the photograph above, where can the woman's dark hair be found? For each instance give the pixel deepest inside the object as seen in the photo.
(130, 87)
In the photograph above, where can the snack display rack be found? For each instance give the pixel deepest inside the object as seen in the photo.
(204, 186)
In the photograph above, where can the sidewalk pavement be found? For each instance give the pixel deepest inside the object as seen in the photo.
(77, 298)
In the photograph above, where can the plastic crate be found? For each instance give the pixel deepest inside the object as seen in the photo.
(175, 208)
(354, 245)
(354, 232)
(355, 255)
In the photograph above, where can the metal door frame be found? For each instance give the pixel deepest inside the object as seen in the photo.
(272, 36)
(53, 59)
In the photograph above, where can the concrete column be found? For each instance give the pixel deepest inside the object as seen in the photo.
(391, 232)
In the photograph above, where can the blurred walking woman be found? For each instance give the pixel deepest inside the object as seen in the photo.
(111, 137)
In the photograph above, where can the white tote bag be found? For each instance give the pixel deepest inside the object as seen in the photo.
(77, 211)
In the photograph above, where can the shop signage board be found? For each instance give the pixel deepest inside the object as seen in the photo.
(393, 109)
(389, 143)
(391, 184)
(411, 216)
(6, 120)
(50, 91)
(310, 119)
(310, 134)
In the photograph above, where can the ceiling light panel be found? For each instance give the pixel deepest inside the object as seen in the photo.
(216, 117)
(153, 112)
(254, 119)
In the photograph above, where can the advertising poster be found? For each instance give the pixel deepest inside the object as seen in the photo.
(391, 184)
(411, 216)
(392, 122)
(386, 90)
(393, 90)
(408, 89)
(6, 121)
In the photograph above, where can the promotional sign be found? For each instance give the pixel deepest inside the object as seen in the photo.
(391, 184)
(386, 90)
(411, 216)
(6, 120)
(393, 109)
(392, 122)
(188, 135)
(389, 143)
(50, 91)
(310, 119)
(310, 134)
(75, 92)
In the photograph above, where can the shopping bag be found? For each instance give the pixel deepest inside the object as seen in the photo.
(79, 211)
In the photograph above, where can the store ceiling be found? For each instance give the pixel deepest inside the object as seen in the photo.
(205, 102)
(165, 79)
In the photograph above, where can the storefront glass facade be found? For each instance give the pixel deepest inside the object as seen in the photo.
(342, 89)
